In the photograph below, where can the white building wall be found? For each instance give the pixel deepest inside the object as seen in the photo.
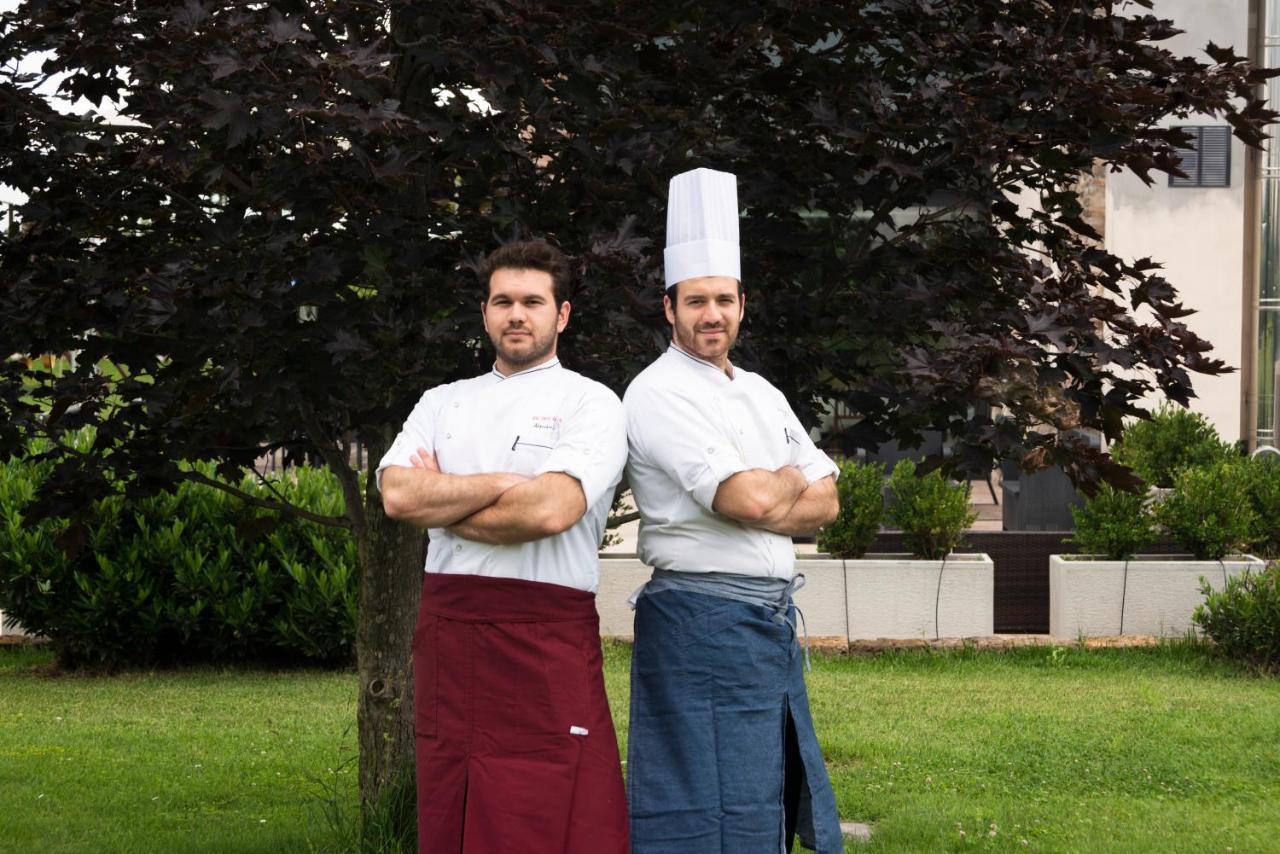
(1198, 234)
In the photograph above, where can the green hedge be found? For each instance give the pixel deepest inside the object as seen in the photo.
(1244, 619)
(1113, 524)
(932, 511)
(1209, 512)
(195, 575)
(1171, 440)
(861, 490)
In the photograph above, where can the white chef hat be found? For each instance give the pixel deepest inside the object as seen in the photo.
(702, 226)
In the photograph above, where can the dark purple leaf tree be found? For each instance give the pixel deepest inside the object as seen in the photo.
(272, 240)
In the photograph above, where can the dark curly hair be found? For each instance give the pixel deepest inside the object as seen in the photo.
(529, 255)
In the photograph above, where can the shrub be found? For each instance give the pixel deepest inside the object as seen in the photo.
(1243, 619)
(193, 575)
(931, 511)
(1262, 482)
(1172, 439)
(1208, 511)
(861, 489)
(1113, 523)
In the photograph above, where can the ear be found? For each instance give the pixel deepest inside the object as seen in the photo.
(562, 318)
(742, 306)
(669, 309)
(484, 314)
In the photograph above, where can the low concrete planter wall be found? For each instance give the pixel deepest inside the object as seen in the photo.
(823, 599)
(882, 596)
(10, 627)
(1159, 593)
(620, 575)
(897, 596)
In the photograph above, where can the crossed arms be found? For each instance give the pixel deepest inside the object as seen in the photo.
(500, 508)
(782, 501)
(504, 508)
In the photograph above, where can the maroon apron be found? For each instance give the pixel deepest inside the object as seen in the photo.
(516, 750)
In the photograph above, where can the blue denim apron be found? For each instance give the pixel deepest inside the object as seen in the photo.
(722, 757)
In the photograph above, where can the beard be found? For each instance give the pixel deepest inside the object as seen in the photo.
(530, 350)
(687, 338)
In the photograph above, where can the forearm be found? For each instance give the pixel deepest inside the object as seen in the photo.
(760, 497)
(432, 499)
(528, 511)
(815, 507)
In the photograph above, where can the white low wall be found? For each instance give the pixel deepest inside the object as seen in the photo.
(1159, 598)
(9, 626)
(895, 596)
(882, 596)
(619, 578)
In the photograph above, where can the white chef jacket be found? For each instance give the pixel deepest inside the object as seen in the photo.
(543, 419)
(689, 428)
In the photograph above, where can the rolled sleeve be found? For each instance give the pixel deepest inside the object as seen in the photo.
(418, 432)
(811, 461)
(819, 466)
(592, 447)
(703, 479)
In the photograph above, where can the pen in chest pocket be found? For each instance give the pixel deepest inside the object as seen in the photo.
(518, 443)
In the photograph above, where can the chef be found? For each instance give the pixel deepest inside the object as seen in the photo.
(513, 473)
(722, 757)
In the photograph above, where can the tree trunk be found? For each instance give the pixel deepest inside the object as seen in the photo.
(391, 557)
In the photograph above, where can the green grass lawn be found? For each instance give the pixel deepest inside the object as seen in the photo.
(1038, 749)
(201, 760)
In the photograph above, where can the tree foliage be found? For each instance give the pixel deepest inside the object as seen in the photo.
(355, 158)
(290, 154)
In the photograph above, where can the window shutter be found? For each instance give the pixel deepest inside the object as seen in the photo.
(1208, 161)
(1215, 156)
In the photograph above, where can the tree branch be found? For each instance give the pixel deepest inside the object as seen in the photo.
(255, 501)
(341, 468)
(266, 482)
(619, 521)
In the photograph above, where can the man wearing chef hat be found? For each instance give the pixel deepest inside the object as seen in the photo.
(722, 757)
(513, 474)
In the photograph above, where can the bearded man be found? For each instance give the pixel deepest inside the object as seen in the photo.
(722, 754)
(513, 473)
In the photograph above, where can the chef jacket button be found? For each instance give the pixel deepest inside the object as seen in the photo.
(448, 435)
(455, 404)
(458, 548)
(711, 450)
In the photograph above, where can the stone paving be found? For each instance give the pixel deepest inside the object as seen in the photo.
(856, 831)
(992, 642)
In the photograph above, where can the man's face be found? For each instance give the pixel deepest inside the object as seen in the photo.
(705, 315)
(521, 318)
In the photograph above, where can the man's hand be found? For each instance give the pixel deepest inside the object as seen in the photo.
(542, 507)
(422, 495)
(759, 497)
(794, 477)
(817, 505)
(424, 459)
